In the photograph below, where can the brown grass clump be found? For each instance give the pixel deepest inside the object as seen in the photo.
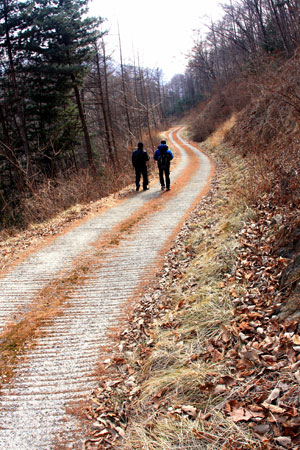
(197, 370)
(267, 132)
(209, 115)
(51, 196)
(181, 392)
(57, 195)
(179, 387)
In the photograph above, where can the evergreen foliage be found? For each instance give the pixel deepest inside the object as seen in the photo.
(66, 108)
(45, 47)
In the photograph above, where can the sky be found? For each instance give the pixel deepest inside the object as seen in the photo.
(161, 32)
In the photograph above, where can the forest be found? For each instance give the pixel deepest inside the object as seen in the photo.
(206, 350)
(67, 111)
(70, 113)
(247, 71)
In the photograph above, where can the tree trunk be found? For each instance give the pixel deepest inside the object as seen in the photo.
(108, 105)
(137, 106)
(20, 119)
(107, 133)
(11, 157)
(124, 91)
(147, 105)
(84, 126)
(280, 26)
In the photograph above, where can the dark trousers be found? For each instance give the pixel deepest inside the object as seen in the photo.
(164, 173)
(141, 171)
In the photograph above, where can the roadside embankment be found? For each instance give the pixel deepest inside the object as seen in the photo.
(208, 359)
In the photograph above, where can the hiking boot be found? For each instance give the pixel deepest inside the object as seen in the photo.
(163, 188)
(167, 189)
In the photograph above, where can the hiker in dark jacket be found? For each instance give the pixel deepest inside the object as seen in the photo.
(139, 162)
(163, 156)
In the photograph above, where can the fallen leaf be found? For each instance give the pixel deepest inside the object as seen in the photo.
(255, 408)
(204, 416)
(273, 408)
(217, 356)
(203, 435)
(226, 336)
(190, 410)
(244, 326)
(296, 339)
(233, 292)
(249, 275)
(104, 432)
(262, 428)
(220, 389)
(227, 380)
(284, 440)
(239, 414)
(179, 305)
(120, 431)
(274, 394)
(251, 355)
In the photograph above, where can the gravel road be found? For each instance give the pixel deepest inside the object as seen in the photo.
(59, 370)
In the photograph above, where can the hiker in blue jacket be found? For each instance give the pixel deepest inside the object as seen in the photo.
(163, 156)
(139, 162)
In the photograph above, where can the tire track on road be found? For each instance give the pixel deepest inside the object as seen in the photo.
(59, 368)
(20, 286)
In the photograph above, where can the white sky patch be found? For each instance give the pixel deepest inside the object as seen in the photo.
(160, 31)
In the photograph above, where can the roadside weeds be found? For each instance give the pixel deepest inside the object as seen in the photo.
(23, 330)
(204, 361)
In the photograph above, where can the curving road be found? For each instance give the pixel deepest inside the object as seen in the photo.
(59, 369)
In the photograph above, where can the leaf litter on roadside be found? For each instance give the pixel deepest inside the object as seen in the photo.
(259, 387)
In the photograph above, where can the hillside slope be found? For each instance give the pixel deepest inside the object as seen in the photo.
(210, 358)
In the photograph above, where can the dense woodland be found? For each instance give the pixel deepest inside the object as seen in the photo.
(65, 105)
(70, 113)
(252, 37)
(247, 69)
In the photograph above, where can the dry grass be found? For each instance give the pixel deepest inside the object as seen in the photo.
(181, 433)
(218, 136)
(223, 103)
(267, 134)
(52, 197)
(261, 115)
(173, 375)
(55, 196)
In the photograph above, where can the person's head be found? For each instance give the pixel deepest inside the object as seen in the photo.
(163, 142)
(140, 145)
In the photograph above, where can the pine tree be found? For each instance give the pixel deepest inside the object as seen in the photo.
(45, 47)
(63, 45)
(11, 92)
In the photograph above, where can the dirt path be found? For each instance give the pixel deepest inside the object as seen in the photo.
(58, 370)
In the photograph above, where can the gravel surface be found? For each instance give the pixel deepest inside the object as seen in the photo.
(23, 283)
(59, 369)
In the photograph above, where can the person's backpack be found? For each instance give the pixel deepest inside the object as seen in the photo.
(163, 160)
